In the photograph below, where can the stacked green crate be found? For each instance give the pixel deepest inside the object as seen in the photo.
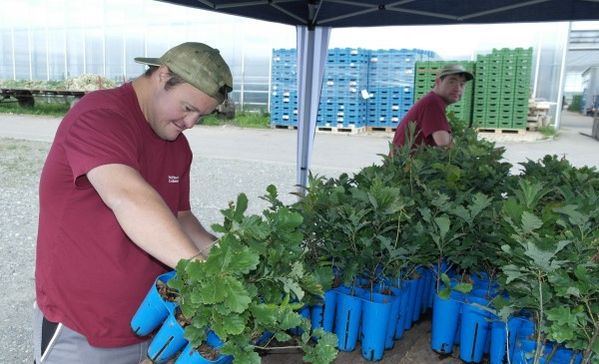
(487, 91)
(502, 89)
(424, 81)
(522, 87)
(479, 105)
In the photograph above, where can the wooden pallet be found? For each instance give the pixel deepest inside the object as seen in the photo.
(380, 129)
(339, 130)
(501, 131)
(290, 127)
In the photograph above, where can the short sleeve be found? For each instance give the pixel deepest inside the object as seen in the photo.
(101, 137)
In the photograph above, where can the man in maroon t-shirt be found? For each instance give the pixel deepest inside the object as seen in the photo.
(114, 206)
(432, 126)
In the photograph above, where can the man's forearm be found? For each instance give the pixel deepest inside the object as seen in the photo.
(202, 238)
(142, 214)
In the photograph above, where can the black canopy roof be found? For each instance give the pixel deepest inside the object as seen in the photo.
(363, 13)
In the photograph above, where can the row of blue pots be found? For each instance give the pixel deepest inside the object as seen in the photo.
(463, 320)
(525, 349)
(169, 340)
(376, 316)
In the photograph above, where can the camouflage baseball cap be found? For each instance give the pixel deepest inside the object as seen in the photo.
(199, 65)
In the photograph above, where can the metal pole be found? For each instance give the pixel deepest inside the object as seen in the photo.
(29, 49)
(47, 45)
(537, 67)
(66, 46)
(562, 78)
(242, 87)
(84, 52)
(14, 61)
(124, 57)
(104, 38)
(269, 84)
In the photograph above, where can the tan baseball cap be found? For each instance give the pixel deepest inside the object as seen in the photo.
(454, 69)
(199, 65)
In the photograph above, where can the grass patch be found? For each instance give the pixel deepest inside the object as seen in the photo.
(548, 131)
(242, 119)
(40, 108)
(59, 109)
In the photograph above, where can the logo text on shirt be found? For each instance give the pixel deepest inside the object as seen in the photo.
(173, 179)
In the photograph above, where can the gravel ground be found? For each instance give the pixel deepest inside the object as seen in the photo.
(19, 174)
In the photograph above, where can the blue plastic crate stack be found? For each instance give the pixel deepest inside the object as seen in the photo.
(360, 88)
(283, 101)
(391, 84)
(345, 76)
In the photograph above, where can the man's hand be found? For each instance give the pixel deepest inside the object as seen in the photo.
(442, 138)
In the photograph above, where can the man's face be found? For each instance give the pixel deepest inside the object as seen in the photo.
(177, 109)
(450, 88)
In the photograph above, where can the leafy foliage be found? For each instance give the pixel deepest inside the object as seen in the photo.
(253, 281)
(456, 210)
(552, 241)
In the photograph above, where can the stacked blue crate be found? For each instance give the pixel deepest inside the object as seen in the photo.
(388, 105)
(391, 84)
(360, 87)
(283, 98)
(345, 76)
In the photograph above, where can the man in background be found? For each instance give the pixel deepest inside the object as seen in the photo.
(429, 113)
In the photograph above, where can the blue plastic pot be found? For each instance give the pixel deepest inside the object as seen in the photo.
(262, 340)
(324, 315)
(304, 312)
(153, 309)
(564, 355)
(480, 292)
(526, 328)
(361, 281)
(416, 312)
(412, 287)
(168, 340)
(513, 325)
(393, 318)
(403, 309)
(446, 314)
(479, 279)
(474, 330)
(426, 286)
(347, 319)
(497, 352)
(190, 356)
(375, 316)
(524, 351)
(316, 316)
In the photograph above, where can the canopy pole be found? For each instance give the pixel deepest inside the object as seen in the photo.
(562, 78)
(312, 45)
